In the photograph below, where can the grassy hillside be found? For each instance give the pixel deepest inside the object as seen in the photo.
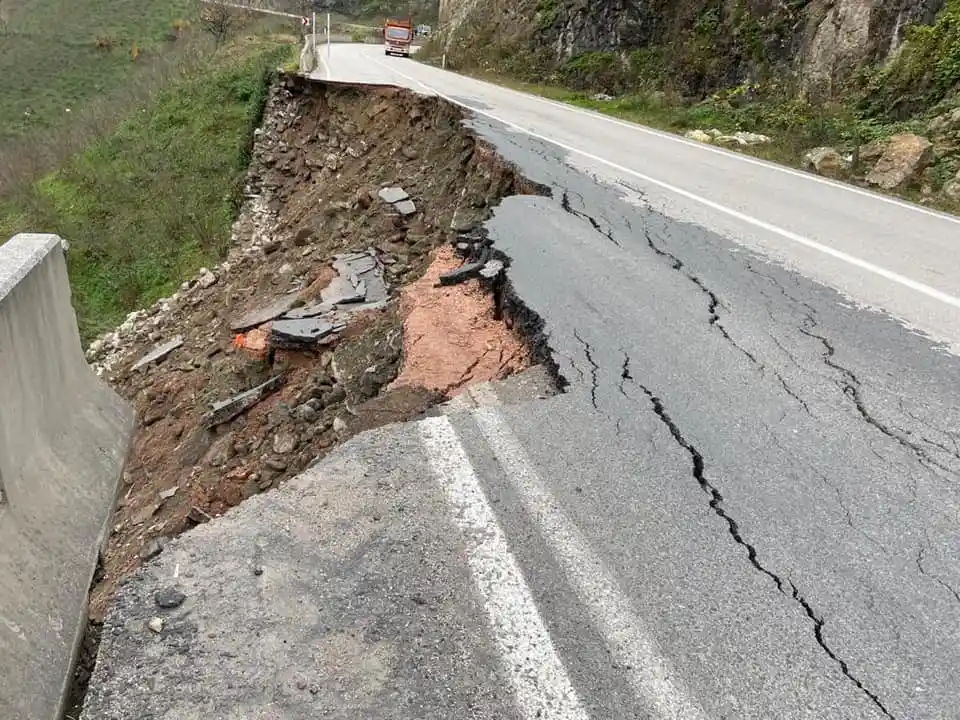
(154, 201)
(50, 59)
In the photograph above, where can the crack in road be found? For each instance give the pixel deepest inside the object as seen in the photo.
(716, 504)
(567, 207)
(942, 583)
(714, 319)
(850, 386)
(594, 369)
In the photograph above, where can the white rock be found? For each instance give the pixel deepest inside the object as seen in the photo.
(206, 278)
(156, 624)
(698, 135)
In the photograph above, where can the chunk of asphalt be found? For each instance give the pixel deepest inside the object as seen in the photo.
(462, 273)
(159, 353)
(226, 410)
(306, 330)
(308, 311)
(393, 195)
(261, 315)
(405, 207)
(340, 291)
(354, 264)
(492, 268)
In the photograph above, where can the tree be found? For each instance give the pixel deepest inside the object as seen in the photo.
(218, 20)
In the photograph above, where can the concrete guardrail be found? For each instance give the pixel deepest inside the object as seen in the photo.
(64, 436)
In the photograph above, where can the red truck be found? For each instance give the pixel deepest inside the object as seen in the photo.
(398, 36)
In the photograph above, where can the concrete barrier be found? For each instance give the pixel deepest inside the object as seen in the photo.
(64, 435)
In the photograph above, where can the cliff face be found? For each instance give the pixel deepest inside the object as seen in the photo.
(703, 44)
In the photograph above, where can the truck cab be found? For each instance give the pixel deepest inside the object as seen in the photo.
(397, 37)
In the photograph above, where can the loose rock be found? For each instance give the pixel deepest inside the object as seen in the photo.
(169, 598)
(902, 163)
(825, 161)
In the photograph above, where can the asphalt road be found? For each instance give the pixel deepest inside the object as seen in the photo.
(745, 505)
(762, 473)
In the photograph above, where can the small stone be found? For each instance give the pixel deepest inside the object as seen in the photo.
(153, 548)
(698, 135)
(156, 624)
(285, 442)
(278, 464)
(305, 413)
(393, 195)
(339, 424)
(167, 494)
(406, 207)
(206, 279)
(257, 570)
(169, 598)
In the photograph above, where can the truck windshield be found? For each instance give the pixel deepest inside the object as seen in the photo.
(399, 34)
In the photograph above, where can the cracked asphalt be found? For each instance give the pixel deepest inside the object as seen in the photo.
(744, 505)
(818, 444)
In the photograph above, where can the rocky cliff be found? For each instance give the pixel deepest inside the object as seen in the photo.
(818, 46)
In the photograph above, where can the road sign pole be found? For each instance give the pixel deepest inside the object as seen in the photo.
(329, 39)
(313, 27)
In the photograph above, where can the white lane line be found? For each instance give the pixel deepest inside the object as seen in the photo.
(679, 139)
(650, 674)
(870, 267)
(740, 157)
(539, 680)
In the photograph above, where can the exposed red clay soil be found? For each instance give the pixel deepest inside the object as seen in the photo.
(451, 338)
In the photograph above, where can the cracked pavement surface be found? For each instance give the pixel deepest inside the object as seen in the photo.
(768, 471)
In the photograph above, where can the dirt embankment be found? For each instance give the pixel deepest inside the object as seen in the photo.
(326, 318)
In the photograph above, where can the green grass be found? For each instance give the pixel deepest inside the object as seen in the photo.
(50, 61)
(151, 203)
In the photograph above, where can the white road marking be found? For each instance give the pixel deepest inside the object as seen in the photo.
(733, 155)
(870, 267)
(650, 675)
(539, 680)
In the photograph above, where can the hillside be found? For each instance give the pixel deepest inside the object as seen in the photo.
(809, 73)
(421, 10)
(55, 56)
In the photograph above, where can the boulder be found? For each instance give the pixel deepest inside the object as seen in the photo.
(870, 153)
(698, 135)
(825, 161)
(902, 163)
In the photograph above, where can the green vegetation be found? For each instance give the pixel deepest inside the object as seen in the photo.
(149, 204)
(59, 54)
(926, 72)
(727, 67)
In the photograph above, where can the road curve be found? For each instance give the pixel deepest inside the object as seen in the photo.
(747, 503)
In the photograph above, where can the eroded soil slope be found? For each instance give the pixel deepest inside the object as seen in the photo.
(256, 368)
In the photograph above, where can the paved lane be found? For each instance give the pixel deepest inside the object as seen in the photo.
(746, 504)
(881, 252)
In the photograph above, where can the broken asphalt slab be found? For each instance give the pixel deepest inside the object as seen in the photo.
(265, 314)
(225, 410)
(159, 352)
